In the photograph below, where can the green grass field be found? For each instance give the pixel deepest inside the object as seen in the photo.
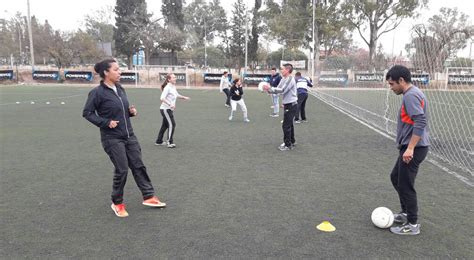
(230, 192)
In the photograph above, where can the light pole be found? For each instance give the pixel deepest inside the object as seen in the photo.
(246, 41)
(312, 40)
(205, 44)
(30, 35)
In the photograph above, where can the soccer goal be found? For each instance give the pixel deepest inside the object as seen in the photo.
(450, 95)
(154, 75)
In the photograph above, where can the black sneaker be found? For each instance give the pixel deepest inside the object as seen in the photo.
(407, 229)
(400, 218)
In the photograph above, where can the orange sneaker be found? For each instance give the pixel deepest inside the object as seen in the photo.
(119, 210)
(154, 202)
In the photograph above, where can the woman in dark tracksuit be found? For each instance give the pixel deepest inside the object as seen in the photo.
(168, 98)
(108, 108)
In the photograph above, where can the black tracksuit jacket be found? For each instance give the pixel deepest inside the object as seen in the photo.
(104, 105)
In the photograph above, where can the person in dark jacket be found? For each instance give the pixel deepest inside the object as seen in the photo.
(236, 93)
(302, 85)
(108, 108)
(274, 81)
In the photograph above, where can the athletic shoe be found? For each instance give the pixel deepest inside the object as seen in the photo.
(171, 145)
(230, 118)
(272, 106)
(304, 121)
(274, 115)
(297, 121)
(154, 202)
(284, 148)
(160, 144)
(400, 218)
(226, 105)
(407, 229)
(246, 120)
(119, 210)
(292, 145)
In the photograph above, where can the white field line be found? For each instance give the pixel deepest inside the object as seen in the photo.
(47, 99)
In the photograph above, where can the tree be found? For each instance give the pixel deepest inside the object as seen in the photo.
(60, 50)
(84, 48)
(286, 21)
(172, 11)
(255, 32)
(446, 33)
(173, 37)
(131, 18)
(98, 25)
(291, 24)
(273, 58)
(237, 40)
(204, 21)
(380, 16)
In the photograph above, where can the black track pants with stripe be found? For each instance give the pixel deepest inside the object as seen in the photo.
(167, 124)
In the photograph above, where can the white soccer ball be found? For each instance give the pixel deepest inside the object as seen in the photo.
(32, 102)
(62, 103)
(261, 84)
(382, 217)
(47, 103)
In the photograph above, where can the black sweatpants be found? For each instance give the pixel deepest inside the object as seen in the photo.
(168, 123)
(403, 179)
(124, 154)
(227, 93)
(301, 106)
(289, 114)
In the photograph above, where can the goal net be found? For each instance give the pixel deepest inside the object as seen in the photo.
(450, 94)
(154, 75)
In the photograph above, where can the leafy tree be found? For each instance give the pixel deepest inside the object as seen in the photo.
(84, 48)
(380, 16)
(237, 38)
(446, 33)
(131, 19)
(274, 58)
(172, 11)
(204, 21)
(173, 37)
(215, 56)
(291, 24)
(255, 32)
(99, 26)
(60, 50)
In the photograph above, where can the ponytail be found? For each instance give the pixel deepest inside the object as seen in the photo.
(167, 80)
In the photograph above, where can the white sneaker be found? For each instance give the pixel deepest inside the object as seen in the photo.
(171, 145)
(230, 118)
(246, 120)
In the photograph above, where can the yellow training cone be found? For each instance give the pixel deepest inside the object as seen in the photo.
(326, 226)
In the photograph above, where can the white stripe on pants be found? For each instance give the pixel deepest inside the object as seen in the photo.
(241, 103)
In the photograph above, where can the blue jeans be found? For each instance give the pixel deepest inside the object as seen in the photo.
(276, 105)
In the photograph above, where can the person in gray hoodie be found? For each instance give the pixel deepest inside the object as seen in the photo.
(287, 88)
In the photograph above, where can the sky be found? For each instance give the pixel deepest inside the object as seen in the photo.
(69, 15)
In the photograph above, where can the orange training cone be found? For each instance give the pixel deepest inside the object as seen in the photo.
(326, 226)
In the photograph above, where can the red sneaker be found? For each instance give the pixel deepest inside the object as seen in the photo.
(119, 210)
(154, 202)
